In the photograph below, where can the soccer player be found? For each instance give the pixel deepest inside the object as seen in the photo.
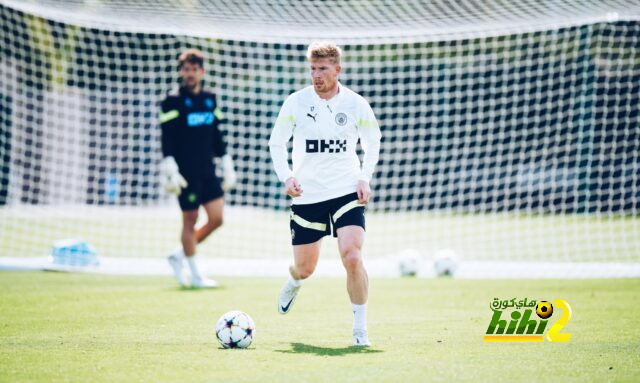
(328, 184)
(190, 140)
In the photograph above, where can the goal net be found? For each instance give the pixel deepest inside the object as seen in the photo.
(510, 129)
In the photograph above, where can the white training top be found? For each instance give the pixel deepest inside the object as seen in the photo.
(325, 134)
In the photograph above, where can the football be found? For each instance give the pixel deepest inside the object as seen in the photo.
(544, 309)
(235, 329)
(445, 262)
(409, 263)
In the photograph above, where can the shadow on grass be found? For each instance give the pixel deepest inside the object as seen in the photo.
(301, 348)
(190, 288)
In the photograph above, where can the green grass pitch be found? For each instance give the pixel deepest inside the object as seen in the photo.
(58, 327)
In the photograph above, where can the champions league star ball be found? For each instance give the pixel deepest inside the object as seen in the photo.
(235, 329)
(544, 309)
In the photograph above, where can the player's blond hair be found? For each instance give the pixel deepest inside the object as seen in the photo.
(324, 50)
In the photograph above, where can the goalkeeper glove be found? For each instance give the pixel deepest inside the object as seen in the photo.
(228, 174)
(172, 180)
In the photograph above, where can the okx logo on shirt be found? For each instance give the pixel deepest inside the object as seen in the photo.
(200, 118)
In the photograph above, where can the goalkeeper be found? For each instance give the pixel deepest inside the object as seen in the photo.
(190, 141)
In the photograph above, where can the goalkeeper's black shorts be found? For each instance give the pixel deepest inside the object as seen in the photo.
(313, 221)
(200, 190)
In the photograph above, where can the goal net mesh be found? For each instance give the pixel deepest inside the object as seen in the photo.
(510, 128)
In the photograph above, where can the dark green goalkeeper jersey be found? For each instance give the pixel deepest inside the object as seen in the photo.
(190, 131)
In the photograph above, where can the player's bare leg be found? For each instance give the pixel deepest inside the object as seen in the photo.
(191, 237)
(188, 248)
(305, 259)
(187, 239)
(214, 210)
(350, 241)
(189, 243)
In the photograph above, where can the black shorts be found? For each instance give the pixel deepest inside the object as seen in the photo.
(199, 191)
(313, 221)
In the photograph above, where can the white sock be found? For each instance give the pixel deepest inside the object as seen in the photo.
(359, 316)
(294, 282)
(179, 252)
(193, 266)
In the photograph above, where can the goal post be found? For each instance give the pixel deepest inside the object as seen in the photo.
(511, 129)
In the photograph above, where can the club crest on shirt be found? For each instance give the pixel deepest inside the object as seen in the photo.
(341, 119)
(208, 102)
